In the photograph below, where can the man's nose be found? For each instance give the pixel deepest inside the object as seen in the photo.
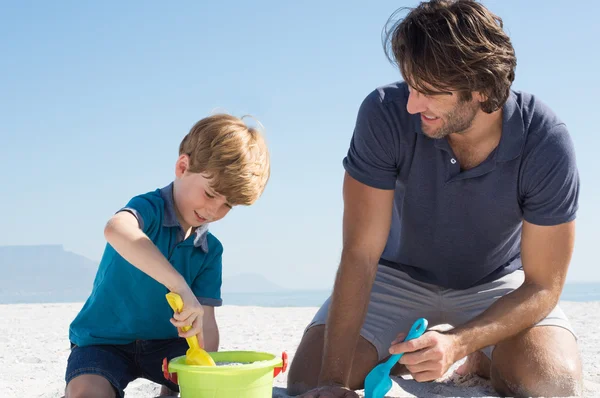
(416, 102)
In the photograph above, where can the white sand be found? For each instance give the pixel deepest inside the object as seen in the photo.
(34, 349)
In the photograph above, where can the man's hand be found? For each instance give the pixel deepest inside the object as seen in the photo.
(191, 315)
(428, 357)
(330, 392)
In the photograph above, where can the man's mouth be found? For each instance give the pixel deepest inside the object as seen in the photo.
(429, 119)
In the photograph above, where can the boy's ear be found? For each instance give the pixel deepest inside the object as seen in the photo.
(182, 164)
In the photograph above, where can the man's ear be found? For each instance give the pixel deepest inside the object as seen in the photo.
(182, 165)
(479, 96)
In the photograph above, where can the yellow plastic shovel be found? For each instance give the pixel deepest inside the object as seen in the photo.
(194, 355)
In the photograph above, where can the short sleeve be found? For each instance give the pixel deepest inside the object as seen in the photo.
(550, 180)
(207, 284)
(146, 211)
(371, 156)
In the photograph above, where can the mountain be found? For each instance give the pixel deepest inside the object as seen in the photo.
(46, 273)
(49, 273)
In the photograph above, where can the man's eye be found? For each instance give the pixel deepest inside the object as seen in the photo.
(208, 195)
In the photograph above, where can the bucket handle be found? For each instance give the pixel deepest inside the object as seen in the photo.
(284, 364)
(169, 376)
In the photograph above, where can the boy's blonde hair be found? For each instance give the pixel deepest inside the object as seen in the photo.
(231, 154)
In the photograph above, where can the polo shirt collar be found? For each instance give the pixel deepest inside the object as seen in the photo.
(170, 219)
(513, 131)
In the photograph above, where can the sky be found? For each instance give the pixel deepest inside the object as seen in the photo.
(96, 96)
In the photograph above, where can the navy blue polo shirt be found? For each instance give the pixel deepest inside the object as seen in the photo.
(453, 228)
(126, 304)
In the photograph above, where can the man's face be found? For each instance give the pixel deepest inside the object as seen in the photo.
(442, 114)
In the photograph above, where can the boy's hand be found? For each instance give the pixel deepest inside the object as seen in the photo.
(191, 315)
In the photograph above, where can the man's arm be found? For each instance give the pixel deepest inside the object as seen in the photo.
(546, 253)
(366, 225)
(211, 330)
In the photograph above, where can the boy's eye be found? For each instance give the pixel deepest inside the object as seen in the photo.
(208, 195)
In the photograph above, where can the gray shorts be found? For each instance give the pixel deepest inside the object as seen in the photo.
(397, 301)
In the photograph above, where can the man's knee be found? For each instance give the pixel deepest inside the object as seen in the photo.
(563, 384)
(544, 361)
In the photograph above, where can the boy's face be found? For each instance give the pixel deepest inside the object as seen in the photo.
(196, 202)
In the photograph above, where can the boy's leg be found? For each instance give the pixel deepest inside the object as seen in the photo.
(88, 385)
(99, 371)
(151, 355)
(396, 301)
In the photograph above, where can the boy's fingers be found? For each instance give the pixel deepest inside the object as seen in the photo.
(196, 327)
(180, 316)
(179, 324)
(201, 339)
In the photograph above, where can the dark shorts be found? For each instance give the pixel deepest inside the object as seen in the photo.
(122, 364)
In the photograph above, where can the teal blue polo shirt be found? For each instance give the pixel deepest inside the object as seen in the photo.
(126, 304)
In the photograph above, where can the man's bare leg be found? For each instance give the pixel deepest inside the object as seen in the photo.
(306, 365)
(542, 361)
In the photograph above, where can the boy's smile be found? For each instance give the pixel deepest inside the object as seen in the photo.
(201, 219)
(196, 203)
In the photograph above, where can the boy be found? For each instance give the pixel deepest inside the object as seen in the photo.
(159, 242)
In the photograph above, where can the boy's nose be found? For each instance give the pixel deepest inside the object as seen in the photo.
(211, 209)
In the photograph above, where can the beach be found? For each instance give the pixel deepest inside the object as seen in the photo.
(35, 347)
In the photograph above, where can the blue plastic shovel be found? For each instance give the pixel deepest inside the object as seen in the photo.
(378, 382)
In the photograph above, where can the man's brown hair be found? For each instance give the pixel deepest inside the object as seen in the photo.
(453, 45)
(231, 154)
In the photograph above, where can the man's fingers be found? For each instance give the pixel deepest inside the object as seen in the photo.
(413, 358)
(411, 345)
(400, 338)
(424, 376)
(427, 366)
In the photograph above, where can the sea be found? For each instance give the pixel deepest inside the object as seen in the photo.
(579, 292)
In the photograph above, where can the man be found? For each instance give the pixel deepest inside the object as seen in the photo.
(459, 203)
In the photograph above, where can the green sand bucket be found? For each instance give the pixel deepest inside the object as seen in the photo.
(252, 379)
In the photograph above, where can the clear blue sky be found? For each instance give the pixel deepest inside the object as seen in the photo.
(96, 96)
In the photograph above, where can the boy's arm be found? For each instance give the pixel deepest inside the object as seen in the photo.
(123, 233)
(211, 330)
